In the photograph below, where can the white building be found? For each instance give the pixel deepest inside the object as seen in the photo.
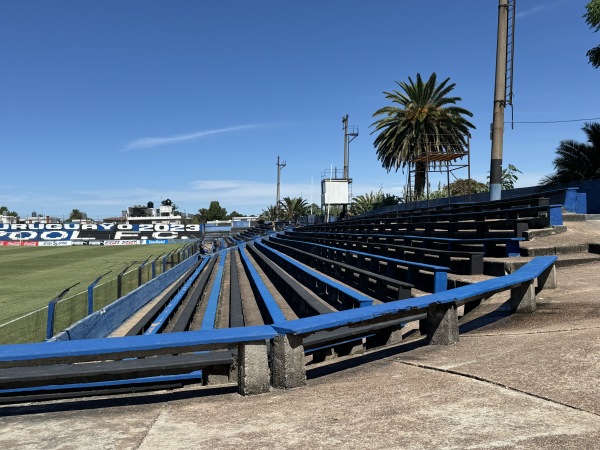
(8, 219)
(149, 214)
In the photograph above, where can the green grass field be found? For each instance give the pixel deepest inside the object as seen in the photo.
(32, 276)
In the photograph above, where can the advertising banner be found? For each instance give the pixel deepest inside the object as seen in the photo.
(52, 243)
(19, 243)
(94, 234)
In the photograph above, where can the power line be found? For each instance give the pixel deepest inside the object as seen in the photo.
(558, 121)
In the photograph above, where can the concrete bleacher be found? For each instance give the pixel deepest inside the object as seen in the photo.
(524, 380)
(24, 365)
(467, 262)
(512, 381)
(342, 299)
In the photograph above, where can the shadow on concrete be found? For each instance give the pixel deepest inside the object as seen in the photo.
(361, 359)
(483, 316)
(133, 399)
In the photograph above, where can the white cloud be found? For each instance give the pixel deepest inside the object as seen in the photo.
(539, 9)
(150, 142)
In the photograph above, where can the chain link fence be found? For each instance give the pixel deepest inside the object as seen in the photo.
(61, 313)
(28, 328)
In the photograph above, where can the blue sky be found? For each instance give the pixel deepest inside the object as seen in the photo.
(108, 104)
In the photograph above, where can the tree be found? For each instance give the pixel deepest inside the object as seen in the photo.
(386, 200)
(196, 218)
(365, 202)
(4, 211)
(292, 208)
(335, 210)
(270, 213)
(592, 18)
(76, 215)
(313, 208)
(233, 214)
(461, 186)
(422, 119)
(508, 178)
(214, 212)
(576, 161)
(458, 187)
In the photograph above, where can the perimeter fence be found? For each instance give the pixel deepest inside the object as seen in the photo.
(62, 311)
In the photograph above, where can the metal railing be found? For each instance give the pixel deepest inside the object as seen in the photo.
(62, 312)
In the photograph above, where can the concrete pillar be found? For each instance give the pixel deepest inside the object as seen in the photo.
(521, 228)
(522, 298)
(288, 362)
(253, 368)
(547, 279)
(442, 324)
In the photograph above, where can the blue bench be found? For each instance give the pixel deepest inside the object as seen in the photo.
(466, 263)
(411, 270)
(334, 293)
(489, 246)
(266, 303)
(25, 364)
(441, 323)
(161, 321)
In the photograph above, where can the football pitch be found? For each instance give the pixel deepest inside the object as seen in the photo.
(32, 276)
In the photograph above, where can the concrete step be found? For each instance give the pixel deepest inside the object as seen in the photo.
(541, 232)
(556, 249)
(571, 217)
(577, 258)
(502, 266)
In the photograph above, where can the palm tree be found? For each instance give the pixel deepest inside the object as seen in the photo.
(293, 208)
(269, 214)
(366, 202)
(577, 161)
(592, 18)
(421, 120)
(75, 215)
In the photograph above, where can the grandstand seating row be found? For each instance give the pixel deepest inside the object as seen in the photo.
(347, 284)
(27, 366)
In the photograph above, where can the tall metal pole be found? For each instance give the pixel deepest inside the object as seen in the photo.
(499, 103)
(279, 167)
(345, 127)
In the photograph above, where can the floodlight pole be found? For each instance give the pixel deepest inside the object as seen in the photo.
(499, 103)
(279, 167)
(346, 156)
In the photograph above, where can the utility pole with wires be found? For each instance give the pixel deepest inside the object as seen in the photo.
(279, 167)
(503, 90)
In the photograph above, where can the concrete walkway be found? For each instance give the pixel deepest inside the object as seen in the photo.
(513, 381)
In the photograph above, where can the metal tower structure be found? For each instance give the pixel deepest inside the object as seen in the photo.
(337, 191)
